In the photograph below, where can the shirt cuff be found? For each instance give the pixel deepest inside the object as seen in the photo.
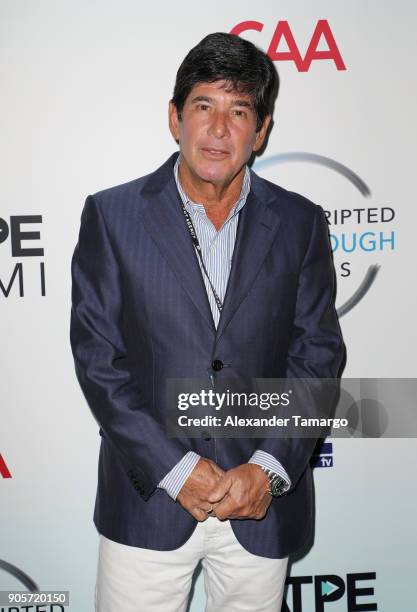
(268, 461)
(173, 481)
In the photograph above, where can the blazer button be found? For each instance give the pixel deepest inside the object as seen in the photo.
(217, 365)
(206, 436)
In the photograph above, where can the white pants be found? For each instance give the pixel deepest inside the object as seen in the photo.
(131, 579)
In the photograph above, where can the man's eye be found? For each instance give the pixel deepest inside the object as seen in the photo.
(203, 106)
(239, 113)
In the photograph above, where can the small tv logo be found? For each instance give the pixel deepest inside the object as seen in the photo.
(4, 470)
(323, 456)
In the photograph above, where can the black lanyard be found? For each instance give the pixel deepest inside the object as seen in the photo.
(197, 246)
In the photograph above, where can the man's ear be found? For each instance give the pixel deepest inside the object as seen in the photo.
(173, 121)
(260, 135)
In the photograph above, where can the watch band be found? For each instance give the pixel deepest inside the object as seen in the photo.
(277, 484)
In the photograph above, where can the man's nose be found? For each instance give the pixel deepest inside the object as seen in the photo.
(219, 125)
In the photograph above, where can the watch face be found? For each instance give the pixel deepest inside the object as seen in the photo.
(277, 486)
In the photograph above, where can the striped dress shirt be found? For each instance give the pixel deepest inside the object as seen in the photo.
(217, 251)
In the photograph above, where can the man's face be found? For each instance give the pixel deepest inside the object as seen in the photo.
(217, 131)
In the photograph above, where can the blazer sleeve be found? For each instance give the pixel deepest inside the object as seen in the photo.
(102, 362)
(316, 348)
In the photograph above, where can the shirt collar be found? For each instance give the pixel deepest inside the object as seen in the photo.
(194, 206)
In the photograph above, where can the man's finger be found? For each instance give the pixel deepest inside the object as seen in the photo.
(220, 490)
(199, 514)
(224, 509)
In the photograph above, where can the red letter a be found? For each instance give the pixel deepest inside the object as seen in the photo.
(4, 470)
(323, 28)
(283, 31)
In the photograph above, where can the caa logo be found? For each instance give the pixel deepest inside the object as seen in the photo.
(283, 34)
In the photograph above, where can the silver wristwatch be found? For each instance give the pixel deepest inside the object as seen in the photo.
(277, 484)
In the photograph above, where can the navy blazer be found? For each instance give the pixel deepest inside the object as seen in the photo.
(140, 315)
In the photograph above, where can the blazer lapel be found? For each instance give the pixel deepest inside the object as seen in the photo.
(257, 229)
(164, 220)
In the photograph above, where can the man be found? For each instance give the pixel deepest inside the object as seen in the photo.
(150, 272)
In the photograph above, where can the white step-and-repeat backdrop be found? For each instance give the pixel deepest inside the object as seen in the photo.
(85, 89)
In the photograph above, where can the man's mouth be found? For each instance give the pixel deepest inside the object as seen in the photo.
(214, 151)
